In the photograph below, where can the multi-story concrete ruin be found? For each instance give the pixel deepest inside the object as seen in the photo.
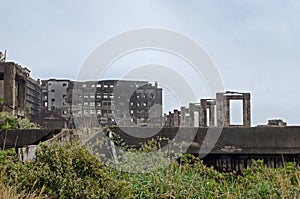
(20, 94)
(34, 99)
(13, 88)
(55, 94)
(68, 99)
(56, 109)
(106, 98)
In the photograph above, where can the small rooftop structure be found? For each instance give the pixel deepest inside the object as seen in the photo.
(277, 122)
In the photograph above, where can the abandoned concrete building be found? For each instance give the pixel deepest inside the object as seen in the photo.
(98, 98)
(34, 99)
(210, 112)
(55, 94)
(21, 94)
(56, 110)
(66, 99)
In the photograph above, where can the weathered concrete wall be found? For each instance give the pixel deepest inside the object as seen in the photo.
(27, 153)
(1, 88)
(22, 138)
(233, 140)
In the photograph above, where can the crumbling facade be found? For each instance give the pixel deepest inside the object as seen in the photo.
(141, 101)
(55, 94)
(34, 99)
(20, 94)
(13, 81)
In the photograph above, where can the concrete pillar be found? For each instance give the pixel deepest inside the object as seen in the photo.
(165, 120)
(182, 120)
(168, 121)
(9, 101)
(202, 113)
(187, 118)
(176, 118)
(246, 110)
(227, 112)
(202, 116)
(192, 116)
(211, 115)
(220, 109)
(171, 119)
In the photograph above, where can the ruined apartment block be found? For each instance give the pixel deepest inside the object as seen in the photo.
(20, 94)
(141, 100)
(55, 94)
(34, 99)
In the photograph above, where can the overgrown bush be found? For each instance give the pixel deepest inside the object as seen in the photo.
(70, 171)
(66, 171)
(8, 121)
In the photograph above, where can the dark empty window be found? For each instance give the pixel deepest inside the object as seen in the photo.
(64, 84)
(53, 99)
(52, 90)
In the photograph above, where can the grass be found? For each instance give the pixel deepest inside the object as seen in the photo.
(70, 171)
(8, 192)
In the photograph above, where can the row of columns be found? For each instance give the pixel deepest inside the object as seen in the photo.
(211, 112)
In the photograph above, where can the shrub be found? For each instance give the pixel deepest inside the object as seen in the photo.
(70, 171)
(9, 121)
(66, 171)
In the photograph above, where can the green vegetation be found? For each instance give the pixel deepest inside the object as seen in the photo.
(7, 121)
(70, 171)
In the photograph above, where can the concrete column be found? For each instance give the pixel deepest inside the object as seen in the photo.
(171, 120)
(182, 120)
(165, 120)
(168, 120)
(192, 116)
(202, 113)
(202, 116)
(227, 112)
(246, 110)
(9, 101)
(187, 118)
(176, 118)
(220, 109)
(212, 115)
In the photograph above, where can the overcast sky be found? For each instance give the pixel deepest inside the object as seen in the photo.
(254, 43)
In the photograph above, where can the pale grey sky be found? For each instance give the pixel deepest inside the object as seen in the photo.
(254, 43)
